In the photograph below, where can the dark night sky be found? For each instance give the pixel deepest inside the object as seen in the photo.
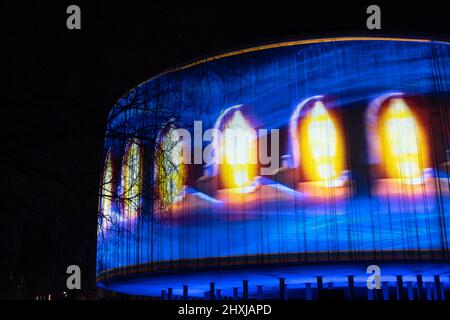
(60, 85)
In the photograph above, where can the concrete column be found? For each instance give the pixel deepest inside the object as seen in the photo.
(410, 291)
(399, 288)
(286, 291)
(351, 287)
(282, 289)
(185, 292)
(443, 297)
(212, 291)
(370, 294)
(319, 282)
(428, 293)
(437, 283)
(433, 291)
(385, 285)
(245, 289)
(420, 293)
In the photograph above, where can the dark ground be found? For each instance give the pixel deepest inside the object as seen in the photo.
(60, 85)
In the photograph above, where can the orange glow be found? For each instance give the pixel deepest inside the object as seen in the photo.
(239, 152)
(170, 170)
(132, 180)
(403, 143)
(322, 147)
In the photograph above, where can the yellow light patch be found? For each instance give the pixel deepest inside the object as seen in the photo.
(322, 150)
(402, 142)
(171, 172)
(239, 152)
(132, 180)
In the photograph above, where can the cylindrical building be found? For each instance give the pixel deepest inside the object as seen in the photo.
(292, 160)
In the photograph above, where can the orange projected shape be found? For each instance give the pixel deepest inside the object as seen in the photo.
(321, 144)
(402, 143)
(132, 180)
(239, 152)
(171, 173)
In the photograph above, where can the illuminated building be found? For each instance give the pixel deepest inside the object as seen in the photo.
(362, 178)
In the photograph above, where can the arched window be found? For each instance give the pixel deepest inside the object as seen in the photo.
(321, 145)
(239, 151)
(402, 142)
(132, 179)
(170, 170)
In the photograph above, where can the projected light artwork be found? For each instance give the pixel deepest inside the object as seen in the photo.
(322, 152)
(280, 161)
(132, 180)
(170, 168)
(239, 151)
(402, 139)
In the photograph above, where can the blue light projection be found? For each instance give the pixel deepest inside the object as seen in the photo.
(363, 170)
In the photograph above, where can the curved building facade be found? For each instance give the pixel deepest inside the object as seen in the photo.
(281, 161)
